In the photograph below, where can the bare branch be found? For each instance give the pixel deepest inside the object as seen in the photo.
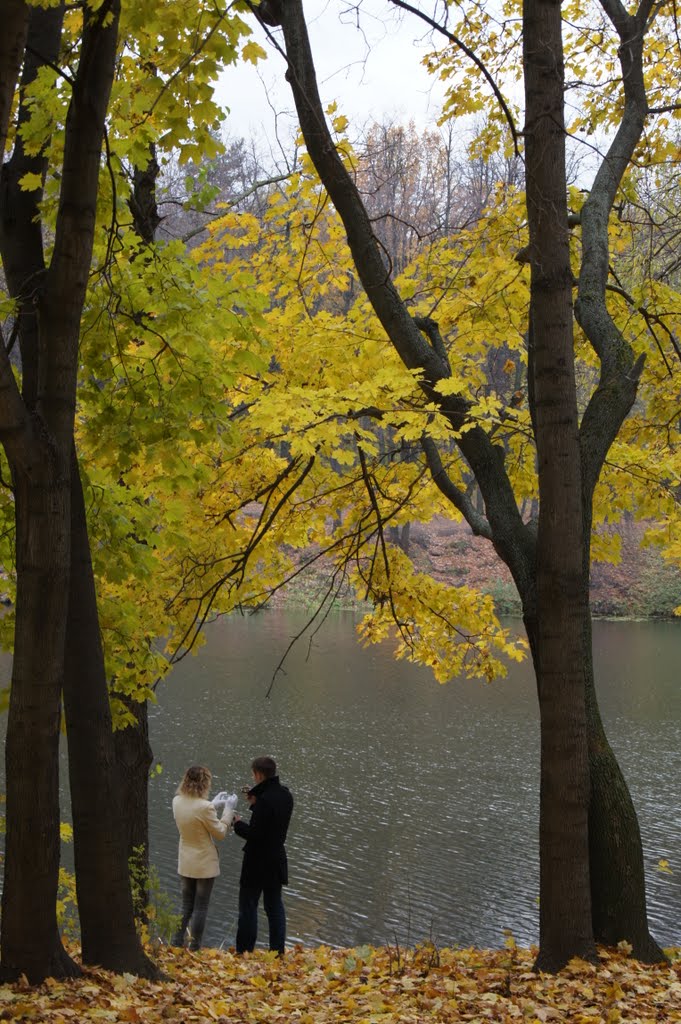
(263, 183)
(475, 59)
(458, 498)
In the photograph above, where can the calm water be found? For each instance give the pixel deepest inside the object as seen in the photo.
(416, 804)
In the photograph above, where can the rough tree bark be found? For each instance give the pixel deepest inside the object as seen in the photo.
(565, 928)
(30, 939)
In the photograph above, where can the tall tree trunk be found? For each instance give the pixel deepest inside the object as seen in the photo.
(617, 879)
(100, 812)
(558, 619)
(565, 927)
(30, 939)
(618, 882)
(37, 433)
(30, 942)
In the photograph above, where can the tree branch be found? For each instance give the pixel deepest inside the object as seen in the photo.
(512, 539)
(620, 370)
(515, 135)
(478, 523)
(235, 202)
(67, 277)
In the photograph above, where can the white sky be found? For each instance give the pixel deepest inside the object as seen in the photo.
(368, 58)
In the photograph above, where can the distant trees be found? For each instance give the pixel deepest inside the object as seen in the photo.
(421, 186)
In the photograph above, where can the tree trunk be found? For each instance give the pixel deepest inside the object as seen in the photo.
(616, 856)
(30, 940)
(107, 924)
(618, 894)
(618, 891)
(618, 887)
(549, 575)
(37, 433)
(134, 758)
(565, 927)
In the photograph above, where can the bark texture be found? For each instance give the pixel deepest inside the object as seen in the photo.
(29, 927)
(565, 928)
(30, 940)
(134, 758)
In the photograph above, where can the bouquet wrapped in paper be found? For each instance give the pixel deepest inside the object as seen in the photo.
(225, 805)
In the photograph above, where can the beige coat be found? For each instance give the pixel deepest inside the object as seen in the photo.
(198, 825)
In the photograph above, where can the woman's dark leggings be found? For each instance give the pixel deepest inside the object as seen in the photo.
(195, 898)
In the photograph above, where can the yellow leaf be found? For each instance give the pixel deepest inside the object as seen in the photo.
(253, 52)
(31, 182)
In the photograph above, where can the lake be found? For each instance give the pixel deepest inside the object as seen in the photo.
(416, 803)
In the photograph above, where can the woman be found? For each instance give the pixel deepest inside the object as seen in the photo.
(198, 865)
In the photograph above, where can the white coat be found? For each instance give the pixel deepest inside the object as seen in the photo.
(198, 825)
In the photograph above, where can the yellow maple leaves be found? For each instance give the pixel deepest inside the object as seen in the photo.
(371, 985)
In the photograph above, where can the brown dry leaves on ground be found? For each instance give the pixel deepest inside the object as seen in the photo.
(362, 986)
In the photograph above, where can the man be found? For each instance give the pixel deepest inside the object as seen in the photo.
(265, 867)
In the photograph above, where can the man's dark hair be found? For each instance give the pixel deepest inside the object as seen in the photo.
(265, 765)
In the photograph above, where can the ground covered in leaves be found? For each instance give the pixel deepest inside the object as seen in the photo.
(362, 986)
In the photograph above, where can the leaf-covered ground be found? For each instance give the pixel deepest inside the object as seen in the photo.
(362, 986)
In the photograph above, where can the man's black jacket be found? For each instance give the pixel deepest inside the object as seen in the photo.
(265, 862)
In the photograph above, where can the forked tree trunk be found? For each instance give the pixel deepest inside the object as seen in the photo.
(134, 756)
(37, 434)
(617, 878)
(100, 813)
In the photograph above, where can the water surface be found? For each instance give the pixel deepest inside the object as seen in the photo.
(416, 803)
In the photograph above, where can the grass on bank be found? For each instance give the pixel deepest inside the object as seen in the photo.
(383, 985)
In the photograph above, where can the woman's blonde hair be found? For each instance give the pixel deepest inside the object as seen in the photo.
(196, 781)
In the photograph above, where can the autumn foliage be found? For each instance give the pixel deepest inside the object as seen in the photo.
(360, 986)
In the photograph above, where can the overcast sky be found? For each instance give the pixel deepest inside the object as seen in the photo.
(368, 58)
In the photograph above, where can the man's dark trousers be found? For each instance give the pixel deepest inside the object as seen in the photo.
(247, 928)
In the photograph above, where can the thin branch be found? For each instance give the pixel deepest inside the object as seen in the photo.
(235, 202)
(515, 134)
(458, 498)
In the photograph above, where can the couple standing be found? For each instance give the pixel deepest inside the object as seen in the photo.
(264, 869)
